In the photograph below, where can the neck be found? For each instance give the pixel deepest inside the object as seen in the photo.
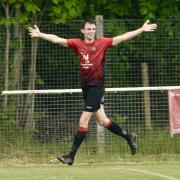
(88, 41)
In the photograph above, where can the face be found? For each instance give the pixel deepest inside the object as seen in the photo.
(89, 31)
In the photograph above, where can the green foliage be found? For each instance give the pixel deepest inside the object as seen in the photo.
(161, 141)
(64, 10)
(153, 9)
(7, 117)
(121, 119)
(9, 1)
(11, 135)
(149, 143)
(31, 6)
(109, 9)
(39, 81)
(119, 27)
(25, 8)
(148, 8)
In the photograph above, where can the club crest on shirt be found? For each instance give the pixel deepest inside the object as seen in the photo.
(94, 49)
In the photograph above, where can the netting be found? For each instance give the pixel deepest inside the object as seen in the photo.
(40, 122)
(43, 65)
(49, 131)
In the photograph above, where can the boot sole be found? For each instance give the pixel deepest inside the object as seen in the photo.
(62, 161)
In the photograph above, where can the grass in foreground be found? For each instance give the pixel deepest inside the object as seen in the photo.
(101, 171)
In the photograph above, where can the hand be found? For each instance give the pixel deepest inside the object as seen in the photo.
(34, 32)
(149, 27)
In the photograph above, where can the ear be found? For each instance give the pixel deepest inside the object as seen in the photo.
(82, 31)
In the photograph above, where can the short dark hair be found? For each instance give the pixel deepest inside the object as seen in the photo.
(89, 21)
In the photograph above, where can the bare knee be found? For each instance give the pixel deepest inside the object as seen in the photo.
(101, 117)
(103, 122)
(83, 123)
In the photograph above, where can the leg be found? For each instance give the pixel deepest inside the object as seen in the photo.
(101, 117)
(78, 138)
(116, 129)
(92, 95)
(81, 132)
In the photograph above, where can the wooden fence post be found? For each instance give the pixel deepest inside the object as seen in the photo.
(100, 129)
(147, 102)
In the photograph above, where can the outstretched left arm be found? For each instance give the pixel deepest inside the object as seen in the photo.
(129, 35)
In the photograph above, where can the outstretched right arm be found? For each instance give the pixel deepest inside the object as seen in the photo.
(35, 33)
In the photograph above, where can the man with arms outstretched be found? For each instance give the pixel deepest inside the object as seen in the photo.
(91, 54)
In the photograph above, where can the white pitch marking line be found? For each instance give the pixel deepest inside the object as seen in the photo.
(147, 172)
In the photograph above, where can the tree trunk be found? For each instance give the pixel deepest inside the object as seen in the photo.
(100, 129)
(31, 85)
(17, 69)
(28, 120)
(17, 56)
(6, 76)
(147, 101)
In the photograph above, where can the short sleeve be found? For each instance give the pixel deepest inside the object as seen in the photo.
(72, 43)
(107, 42)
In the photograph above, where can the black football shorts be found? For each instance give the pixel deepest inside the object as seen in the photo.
(93, 97)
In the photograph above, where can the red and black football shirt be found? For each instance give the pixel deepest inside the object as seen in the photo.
(91, 58)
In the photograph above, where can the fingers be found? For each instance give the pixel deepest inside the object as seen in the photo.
(151, 30)
(35, 26)
(147, 22)
(31, 34)
(149, 27)
(32, 29)
(153, 26)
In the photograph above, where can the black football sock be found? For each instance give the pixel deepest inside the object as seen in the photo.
(78, 139)
(116, 129)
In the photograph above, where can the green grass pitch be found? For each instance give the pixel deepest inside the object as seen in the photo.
(93, 171)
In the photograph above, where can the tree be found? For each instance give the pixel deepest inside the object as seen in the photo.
(132, 9)
(20, 11)
(60, 11)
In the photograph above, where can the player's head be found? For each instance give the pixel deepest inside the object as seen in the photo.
(88, 28)
(88, 21)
